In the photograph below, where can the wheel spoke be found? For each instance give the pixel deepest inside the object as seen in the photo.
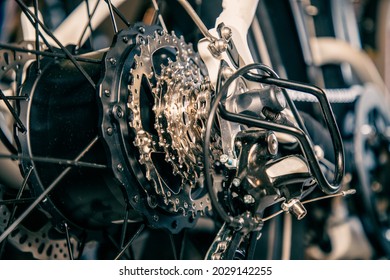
(15, 207)
(58, 161)
(113, 21)
(48, 54)
(124, 226)
(136, 234)
(13, 112)
(182, 247)
(88, 25)
(16, 201)
(173, 246)
(67, 53)
(120, 15)
(68, 243)
(178, 240)
(44, 193)
(37, 45)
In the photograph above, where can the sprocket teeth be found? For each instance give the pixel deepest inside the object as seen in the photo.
(176, 78)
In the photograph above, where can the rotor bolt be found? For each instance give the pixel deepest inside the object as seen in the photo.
(119, 167)
(109, 131)
(236, 182)
(248, 199)
(272, 144)
(112, 61)
(107, 92)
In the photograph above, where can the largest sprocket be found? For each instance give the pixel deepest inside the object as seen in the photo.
(154, 147)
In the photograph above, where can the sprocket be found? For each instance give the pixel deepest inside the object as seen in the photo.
(169, 140)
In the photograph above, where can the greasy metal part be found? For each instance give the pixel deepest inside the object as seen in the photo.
(199, 23)
(181, 102)
(131, 104)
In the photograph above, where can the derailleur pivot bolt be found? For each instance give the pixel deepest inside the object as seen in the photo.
(295, 207)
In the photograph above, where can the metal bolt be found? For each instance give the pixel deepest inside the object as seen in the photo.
(107, 92)
(125, 39)
(109, 131)
(112, 61)
(136, 198)
(272, 144)
(220, 46)
(236, 182)
(311, 10)
(141, 29)
(118, 111)
(155, 218)
(119, 167)
(248, 199)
